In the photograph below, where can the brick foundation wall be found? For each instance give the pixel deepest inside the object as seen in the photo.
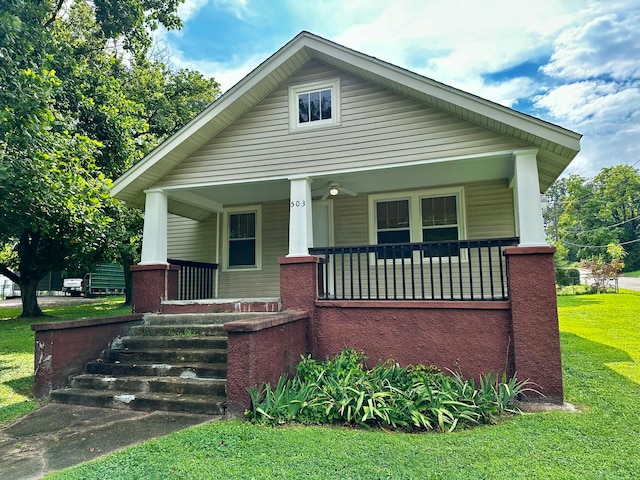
(517, 336)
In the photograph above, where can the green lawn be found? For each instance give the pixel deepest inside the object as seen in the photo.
(601, 358)
(632, 274)
(16, 350)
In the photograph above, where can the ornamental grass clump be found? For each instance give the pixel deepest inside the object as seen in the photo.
(341, 390)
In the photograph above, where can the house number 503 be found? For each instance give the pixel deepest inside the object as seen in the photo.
(298, 203)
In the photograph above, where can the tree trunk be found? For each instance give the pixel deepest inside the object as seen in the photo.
(30, 273)
(30, 307)
(127, 262)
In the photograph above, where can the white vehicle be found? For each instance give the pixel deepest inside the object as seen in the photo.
(72, 286)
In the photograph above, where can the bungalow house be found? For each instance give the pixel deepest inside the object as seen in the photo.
(372, 207)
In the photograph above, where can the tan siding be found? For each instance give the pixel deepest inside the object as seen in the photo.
(351, 220)
(489, 207)
(378, 128)
(191, 240)
(275, 240)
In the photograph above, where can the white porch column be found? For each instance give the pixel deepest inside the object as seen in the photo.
(154, 238)
(528, 209)
(300, 218)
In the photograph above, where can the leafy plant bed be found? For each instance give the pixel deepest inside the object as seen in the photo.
(341, 390)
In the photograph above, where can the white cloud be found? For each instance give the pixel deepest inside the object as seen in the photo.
(189, 9)
(607, 115)
(456, 39)
(594, 78)
(608, 44)
(239, 8)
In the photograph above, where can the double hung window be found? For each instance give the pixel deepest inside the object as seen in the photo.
(393, 226)
(423, 216)
(242, 229)
(440, 223)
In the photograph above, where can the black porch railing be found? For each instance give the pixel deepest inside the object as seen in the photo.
(196, 280)
(453, 270)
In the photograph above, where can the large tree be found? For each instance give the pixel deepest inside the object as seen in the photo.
(80, 102)
(585, 215)
(130, 104)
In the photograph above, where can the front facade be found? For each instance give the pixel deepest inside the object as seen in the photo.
(397, 188)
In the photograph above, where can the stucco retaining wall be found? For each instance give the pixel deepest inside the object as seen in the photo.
(462, 338)
(63, 349)
(260, 350)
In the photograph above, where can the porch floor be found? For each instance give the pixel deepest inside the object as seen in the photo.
(206, 305)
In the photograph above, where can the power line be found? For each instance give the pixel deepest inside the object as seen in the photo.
(576, 232)
(600, 246)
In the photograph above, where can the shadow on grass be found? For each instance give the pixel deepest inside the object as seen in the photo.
(580, 300)
(16, 336)
(22, 386)
(16, 410)
(588, 368)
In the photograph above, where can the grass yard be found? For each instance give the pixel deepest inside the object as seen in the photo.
(632, 274)
(16, 350)
(601, 358)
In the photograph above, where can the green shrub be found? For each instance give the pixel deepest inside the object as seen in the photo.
(342, 390)
(567, 276)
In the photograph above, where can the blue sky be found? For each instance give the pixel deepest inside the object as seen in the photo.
(572, 62)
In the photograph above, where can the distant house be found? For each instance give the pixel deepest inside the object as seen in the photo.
(401, 214)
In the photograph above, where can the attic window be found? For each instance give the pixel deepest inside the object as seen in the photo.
(314, 105)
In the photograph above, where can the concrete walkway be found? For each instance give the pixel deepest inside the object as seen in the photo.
(58, 436)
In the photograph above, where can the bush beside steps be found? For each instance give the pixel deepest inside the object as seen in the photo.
(341, 390)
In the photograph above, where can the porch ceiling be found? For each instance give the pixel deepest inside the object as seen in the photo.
(205, 199)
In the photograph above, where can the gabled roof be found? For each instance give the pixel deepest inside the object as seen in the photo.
(557, 146)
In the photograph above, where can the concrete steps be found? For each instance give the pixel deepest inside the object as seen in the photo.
(174, 362)
(179, 369)
(150, 384)
(166, 355)
(146, 402)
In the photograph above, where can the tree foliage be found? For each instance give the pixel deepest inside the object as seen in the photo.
(80, 102)
(604, 269)
(585, 215)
